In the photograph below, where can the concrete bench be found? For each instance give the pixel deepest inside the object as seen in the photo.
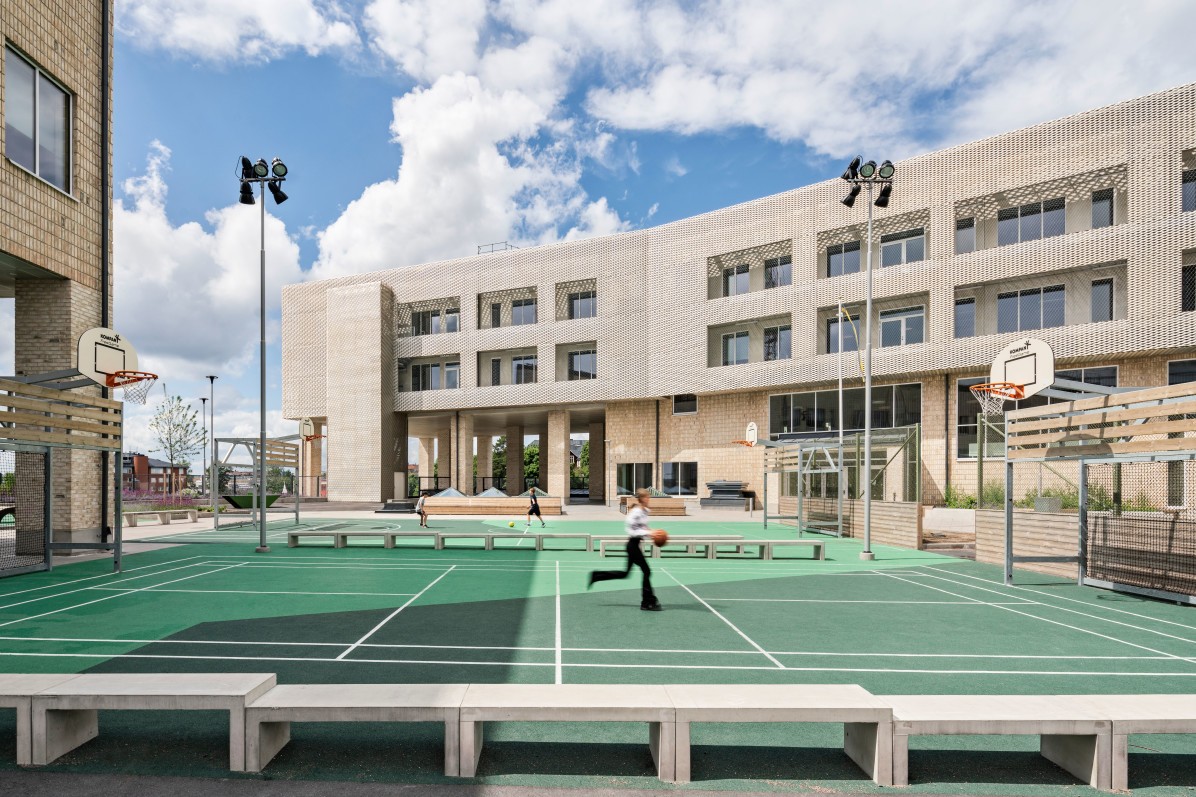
(867, 722)
(1139, 714)
(661, 506)
(709, 542)
(1075, 736)
(545, 535)
(766, 547)
(488, 537)
(569, 703)
(164, 516)
(268, 718)
(65, 715)
(17, 691)
(340, 539)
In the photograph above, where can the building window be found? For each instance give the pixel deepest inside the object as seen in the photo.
(496, 371)
(965, 236)
(1188, 289)
(37, 121)
(735, 280)
(965, 318)
(843, 259)
(1102, 208)
(1036, 308)
(452, 376)
(832, 336)
(902, 327)
(496, 315)
(685, 404)
(778, 343)
(1189, 201)
(1105, 375)
(523, 311)
(818, 412)
(583, 364)
(1178, 372)
(967, 427)
(1102, 300)
(632, 476)
(523, 370)
(425, 376)
(735, 348)
(679, 478)
(433, 322)
(1181, 372)
(778, 272)
(1030, 222)
(583, 305)
(902, 247)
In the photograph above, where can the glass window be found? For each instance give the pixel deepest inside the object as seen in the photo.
(843, 259)
(583, 305)
(1105, 375)
(832, 336)
(1102, 300)
(735, 348)
(818, 413)
(780, 414)
(679, 478)
(421, 322)
(907, 404)
(965, 318)
(685, 404)
(902, 327)
(735, 280)
(496, 315)
(778, 272)
(425, 376)
(778, 343)
(452, 320)
(1007, 226)
(965, 236)
(1102, 208)
(1181, 371)
(1035, 308)
(523, 311)
(37, 121)
(523, 370)
(1188, 289)
(1031, 221)
(902, 247)
(583, 364)
(632, 476)
(1189, 190)
(496, 371)
(452, 376)
(966, 426)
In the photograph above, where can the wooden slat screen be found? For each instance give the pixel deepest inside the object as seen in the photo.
(34, 414)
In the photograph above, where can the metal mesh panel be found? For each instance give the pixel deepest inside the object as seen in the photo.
(22, 509)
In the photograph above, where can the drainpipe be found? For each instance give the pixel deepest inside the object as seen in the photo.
(946, 433)
(657, 467)
(105, 201)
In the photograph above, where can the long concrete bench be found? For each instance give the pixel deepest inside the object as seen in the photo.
(1139, 714)
(340, 539)
(487, 537)
(1074, 735)
(818, 547)
(164, 516)
(545, 535)
(569, 703)
(65, 715)
(708, 541)
(16, 692)
(268, 718)
(867, 722)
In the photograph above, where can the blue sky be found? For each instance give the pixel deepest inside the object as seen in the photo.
(417, 129)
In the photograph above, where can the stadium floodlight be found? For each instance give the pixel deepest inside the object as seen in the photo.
(279, 169)
(868, 170)
(276, 191)
(886, 170)
(260, 169)
(853, 169)
(882, 196)
(246, 168)
(849, 200)
(246, 194)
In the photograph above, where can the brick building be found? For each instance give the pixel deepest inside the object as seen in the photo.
(143, 473)
(663, 344)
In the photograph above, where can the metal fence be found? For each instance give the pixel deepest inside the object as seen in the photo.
(24, 508)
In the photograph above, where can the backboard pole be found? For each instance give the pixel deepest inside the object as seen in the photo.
(839, 480)
(1008, 519)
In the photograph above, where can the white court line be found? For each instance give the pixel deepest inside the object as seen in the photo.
(830, 600)
(67, 582)
(254, 592)
(734, 628)
(87, 589)
(1053, 622)
(110, 597)
(558, 624)
(393, 614)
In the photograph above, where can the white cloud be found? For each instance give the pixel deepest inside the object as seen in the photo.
(222, 30)
(427, 38)
(674, 168)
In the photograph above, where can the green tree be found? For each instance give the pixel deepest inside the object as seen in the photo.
(531, 468)
(499, 458)
(176, 431)
(277, 478)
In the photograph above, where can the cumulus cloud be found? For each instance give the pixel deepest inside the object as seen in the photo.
(236, 30)
(236, 416)
(427, 38)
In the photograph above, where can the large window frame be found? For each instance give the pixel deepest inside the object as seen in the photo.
(1032, 221)
(452, 376)
(1102, 300)
(424, 377)
(1027, 309)
(679, 478)
(523, 369)
(736, 348)
(778, 343)
(1102, 208)
(434, 322)
(843, 259)
(737, 280)
(38, 115)
(907, 323)
(578, 360)
(523, 312)
(1188, 191)
(965, 236)
(778, 272)
(632, 476)
(965, 317)
(816, 412)
(1187, 289)
(850, 339)
(899, 248)
(685, 404)
(583, 304)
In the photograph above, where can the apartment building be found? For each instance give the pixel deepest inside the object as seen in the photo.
(662, 344)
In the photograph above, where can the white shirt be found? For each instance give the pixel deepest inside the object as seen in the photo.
(637, 522)
(419, 505)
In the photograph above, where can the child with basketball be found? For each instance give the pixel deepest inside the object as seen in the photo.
(534, 509)
(637, 530)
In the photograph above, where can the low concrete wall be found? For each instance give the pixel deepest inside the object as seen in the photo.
(661, 507)
(1034, 534)
(943, 519)
(896, 523)
(489, 506)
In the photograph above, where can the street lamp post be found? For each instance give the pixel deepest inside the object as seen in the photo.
(203, 403)
(213, 479)
(266, 176)
(868, 175)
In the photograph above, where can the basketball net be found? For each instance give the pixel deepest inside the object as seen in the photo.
(135, 384)
(994, 395)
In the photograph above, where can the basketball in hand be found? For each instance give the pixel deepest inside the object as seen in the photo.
(660, 537)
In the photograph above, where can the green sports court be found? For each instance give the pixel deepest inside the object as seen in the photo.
(908, 622)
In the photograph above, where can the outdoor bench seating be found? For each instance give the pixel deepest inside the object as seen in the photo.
(546, 535)
(340, 539)
(17, 691)
(661, 506)
(1139, 714)
(766, 547)
(487, 537)
(708, 541)
(164, 516)
(65, 715)
(268, 718)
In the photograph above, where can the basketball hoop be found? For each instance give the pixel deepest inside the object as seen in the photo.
(135, 384)
(993, 395)
(745, 443)
(307, 438)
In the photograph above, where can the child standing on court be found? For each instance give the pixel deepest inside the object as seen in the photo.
(534, 509)
(637, 530)
(421, 511)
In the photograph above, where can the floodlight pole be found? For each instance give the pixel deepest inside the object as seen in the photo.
(203, 403)
(262, 547)
(839, 482)
(867, 554)
(213, 474)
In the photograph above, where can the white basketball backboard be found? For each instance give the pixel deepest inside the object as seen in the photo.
(103, 352)
(1026, 362)
(753, 434)
(307, 427)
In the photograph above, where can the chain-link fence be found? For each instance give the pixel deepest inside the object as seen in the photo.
(24, 499)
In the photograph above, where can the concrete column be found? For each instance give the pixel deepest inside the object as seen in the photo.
(485, 461)
(514, 484)
(554, 447)
(542, 458)
(444, 455)
(427, 453)
(462, 453)
(597, 462)
(401, 455)
(360, 343)
(313, 464)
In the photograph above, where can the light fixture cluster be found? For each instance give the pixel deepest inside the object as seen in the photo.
(272, 174)
(860, 173)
